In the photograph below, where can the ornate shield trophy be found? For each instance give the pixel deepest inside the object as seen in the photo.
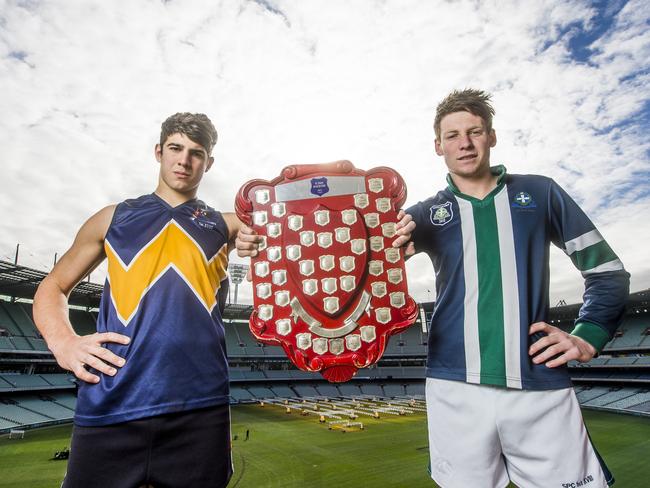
(328, 285)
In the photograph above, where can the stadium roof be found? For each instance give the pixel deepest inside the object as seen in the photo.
(21, 282)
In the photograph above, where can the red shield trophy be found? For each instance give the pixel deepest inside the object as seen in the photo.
(327, 284)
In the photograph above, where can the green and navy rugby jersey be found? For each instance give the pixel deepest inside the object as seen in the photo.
(166, 270)
(491, 259)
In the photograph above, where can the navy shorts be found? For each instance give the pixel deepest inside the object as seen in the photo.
(184, 449)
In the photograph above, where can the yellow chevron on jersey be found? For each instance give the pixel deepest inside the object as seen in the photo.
(171, 248)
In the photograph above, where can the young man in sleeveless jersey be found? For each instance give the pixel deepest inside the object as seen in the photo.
(152, 405)
(499, 398)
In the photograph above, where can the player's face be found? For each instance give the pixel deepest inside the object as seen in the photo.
(182, 164)
(465, 144)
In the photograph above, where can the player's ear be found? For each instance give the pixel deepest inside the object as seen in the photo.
(209, 165)
(438, 148)
(493, 138)
(158, 152)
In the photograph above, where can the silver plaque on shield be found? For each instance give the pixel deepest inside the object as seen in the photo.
(282, 298)
(342, 234)
(376, 268)
(278, 209)
(361, 200)
(383, 205)
(353, 342)
(293, 252)
(279, 277)
(397, 299)
(320, 345)
(283, 326)
(324, 239)
(322, 217)
(273, 230)
(309, 287)
(358, 246)
(294, 222)
(336, 346)
(262, 268)
(331, 304)
(303, 341)
(326, 262)
(376, 243)
(260, 217)
(328, 285)
(349, 217)
(379, 289)
(262, 196)
(368, 333)
(382, 315)
(307, 238)
(347, 282)
(265, 312)
(375, 185)
(306, 267)
(274, 254)
(372, 220)
(346, 263)
(395, 275)
(388, 229)
(264, 290)
(392, 254)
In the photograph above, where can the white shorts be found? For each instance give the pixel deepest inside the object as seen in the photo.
(484, 436)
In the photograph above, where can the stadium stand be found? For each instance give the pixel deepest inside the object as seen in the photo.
(34, 391)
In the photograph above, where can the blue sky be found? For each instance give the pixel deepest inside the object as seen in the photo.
(85, 86)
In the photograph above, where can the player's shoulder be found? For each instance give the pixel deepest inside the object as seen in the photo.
(534, 179)
(439, 198)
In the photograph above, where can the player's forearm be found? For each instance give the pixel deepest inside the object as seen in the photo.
(51, 313)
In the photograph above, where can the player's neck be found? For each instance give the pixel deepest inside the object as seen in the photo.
(476, 186)
(173, 197)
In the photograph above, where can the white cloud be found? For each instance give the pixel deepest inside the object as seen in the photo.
(85, 86)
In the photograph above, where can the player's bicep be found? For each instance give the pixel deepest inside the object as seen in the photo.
(85, 254)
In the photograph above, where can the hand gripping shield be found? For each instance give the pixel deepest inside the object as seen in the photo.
(327, 284)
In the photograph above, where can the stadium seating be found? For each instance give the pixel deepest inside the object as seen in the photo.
(632, 328)
(282, 391)
(394, 390)
(608, 397)
(618, 380)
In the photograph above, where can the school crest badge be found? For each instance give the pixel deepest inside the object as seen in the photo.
(441, 214)
(328, 286)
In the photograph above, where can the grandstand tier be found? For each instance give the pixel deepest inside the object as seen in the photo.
(34, 391)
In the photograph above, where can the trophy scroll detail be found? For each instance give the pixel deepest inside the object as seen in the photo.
(327, 284)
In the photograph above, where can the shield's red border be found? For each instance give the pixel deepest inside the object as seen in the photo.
(343, 367)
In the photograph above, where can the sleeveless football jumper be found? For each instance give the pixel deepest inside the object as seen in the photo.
(165, 269)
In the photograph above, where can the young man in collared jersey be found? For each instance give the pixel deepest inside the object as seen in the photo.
(500, 403)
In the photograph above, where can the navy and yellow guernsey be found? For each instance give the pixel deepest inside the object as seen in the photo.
(491, 259)
(165, 268)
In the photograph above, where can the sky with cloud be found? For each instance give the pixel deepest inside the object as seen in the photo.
(86, 84)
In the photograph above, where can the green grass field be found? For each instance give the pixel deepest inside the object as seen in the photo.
(289, 450)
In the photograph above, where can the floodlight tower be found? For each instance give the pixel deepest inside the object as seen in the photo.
(237, 274)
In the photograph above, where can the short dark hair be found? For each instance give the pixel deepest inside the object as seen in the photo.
(197, 127)
(476, 102)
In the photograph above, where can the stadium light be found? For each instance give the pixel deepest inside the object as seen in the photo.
(237, 274)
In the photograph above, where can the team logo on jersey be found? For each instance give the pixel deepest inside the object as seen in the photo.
(329, 288)
(200, 218)
(523, 200)
(441, 214)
